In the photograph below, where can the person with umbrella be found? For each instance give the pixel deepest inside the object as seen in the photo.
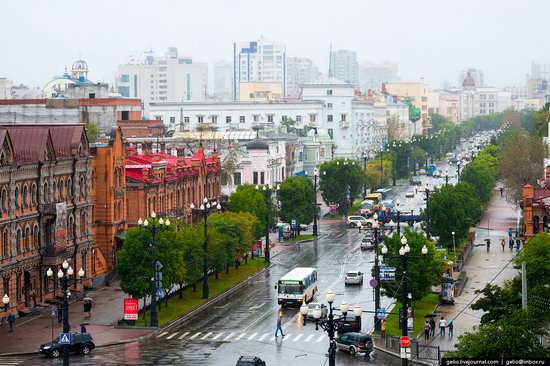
(87, 307)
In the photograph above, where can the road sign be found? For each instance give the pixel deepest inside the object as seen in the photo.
(406, 352)
(65, 338)
(373, 282)
(130, 309)
(381, 313)
(387, 274)
(404, 341)
(159, 266)
(160, 293)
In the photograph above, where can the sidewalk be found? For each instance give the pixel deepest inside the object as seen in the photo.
(481, 267)
(31, 331)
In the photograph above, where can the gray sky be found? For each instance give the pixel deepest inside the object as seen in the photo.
(433, 39)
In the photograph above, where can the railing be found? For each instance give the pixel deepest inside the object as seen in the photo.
(344, 124)
(419, 351)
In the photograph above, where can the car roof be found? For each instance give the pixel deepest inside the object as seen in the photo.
(354, 271)
(360, 334)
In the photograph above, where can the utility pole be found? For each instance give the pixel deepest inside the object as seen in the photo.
(523, 286)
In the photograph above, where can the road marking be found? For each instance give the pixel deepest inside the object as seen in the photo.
(206, 335)
(309, 338)
(195, 335)
(321, 338)
(239, 337)
(257, 307)
(218, 336)
(252, 336)
(183, 335)
(162, 334)
(228, 336)
(263, 337)
(297, 337)
(172, 335)
(221, 307)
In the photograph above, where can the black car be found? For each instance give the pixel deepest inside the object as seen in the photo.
(250, 361)
(348, 324)
(80, 343)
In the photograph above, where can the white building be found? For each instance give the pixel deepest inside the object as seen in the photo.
(372, 75)
(163, 79)
(540, 70)
(343, 66)
(299, 71)
(5, 88)
(258, 61)
(476, 74)
(223, 81)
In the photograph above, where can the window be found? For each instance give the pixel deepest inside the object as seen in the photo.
(329, 92)
(34, 191)
(18, 287)
(227, 119)
(214, 119)
(91, 95)
(200, 119)
(256, 118)
(284, 118)
(124, 78)
(329, 105)
(298, 119)
(35, 237)
(83, 264)
(61, 190)
(69, 187)
(54, 190)
(237, 178)
(343, 117)
(19, 242)
(46, 193)
(329, 118)
(172, 120)
(125, 115)
(254, 177)
(262, 177)
(17, 196)
(5, 243)
(242, 119)
(312, 117)
(83, 223)
(82, 186)
(330, 132)
(27, 239)
(7, 286)
(185, 119)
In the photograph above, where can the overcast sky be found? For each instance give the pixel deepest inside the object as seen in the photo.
(433, 39)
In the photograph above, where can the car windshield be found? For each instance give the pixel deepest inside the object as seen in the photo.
(291, 289)
(352, 274)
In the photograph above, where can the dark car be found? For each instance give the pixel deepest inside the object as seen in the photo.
(416, 181)
(354, 342)
(348, 324)
(250, 361)
(80, 343)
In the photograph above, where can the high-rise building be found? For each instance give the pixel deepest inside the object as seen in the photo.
(299, 71)
(540, 70)
(343, 66)
(5, 88)
(372, 75)
(163, 79)
(476, 74)
(258, 61)
(223, 80)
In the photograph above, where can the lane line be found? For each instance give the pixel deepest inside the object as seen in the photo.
(206, 335)
(172, 335)
(196, 335)
(217, 336)
(221, 307)
(239, 337)
(183, 335)
(263, 337)
(297, 338)
(252, 336)
(257, 307)
(321, 338)
(309, 338)
(162, 334)
(228, 337)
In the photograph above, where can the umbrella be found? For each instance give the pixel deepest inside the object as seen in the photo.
(87, 299)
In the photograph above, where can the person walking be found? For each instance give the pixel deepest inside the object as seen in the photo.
(501, 191)
(59, 312)
(451, 327)
(279, 326)
(503, 243)
(488, 242)
(518, 244)
(11, 321)
(442, 325)
(432, 327)
(511, 244)
(426, 328)
(82, 328)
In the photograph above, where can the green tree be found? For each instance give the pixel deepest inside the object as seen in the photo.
(336, 177)
(91, 132)
(134, 263)
(498, 301)
(297, 198)
(170, 253)
(481, 174)
(249, 199)
(536, 255)
(193, 253)
(423, 273)
(375, 178)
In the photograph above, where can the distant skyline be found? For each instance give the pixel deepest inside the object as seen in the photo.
(428, 39)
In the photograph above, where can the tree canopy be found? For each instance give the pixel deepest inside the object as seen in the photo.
(336, 176)
(297, 198)
(249, 199)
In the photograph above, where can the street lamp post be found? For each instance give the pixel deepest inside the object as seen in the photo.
(454, 245)
(205, 209)
(377, 325)
(414, 155)
(329, 325)
(154, 268)
(6, 302)
(267, 191)
(446, 175)
(63, 275)
(365, 159)
(427, 192)
(315, 176)
(398, 212)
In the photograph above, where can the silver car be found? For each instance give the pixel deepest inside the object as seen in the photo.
(354, 278)
(367, 243)
(312, 305)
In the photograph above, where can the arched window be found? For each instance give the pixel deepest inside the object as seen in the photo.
(70, 227)
(5, 243)
(35, 237)
(34, 194)
(54, 190)
(70, 188)
(19, 241)
(83, 223)
(82, 187)
(25, 195)
(17, 197)
(27, 239)
(4, 199)
(46, 198)
(61, 190)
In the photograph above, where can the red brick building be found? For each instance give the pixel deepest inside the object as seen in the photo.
(45, 208)
(536, 207)
(168, 184)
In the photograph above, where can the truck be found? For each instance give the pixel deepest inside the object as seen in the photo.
(409, 218)
(430, 169)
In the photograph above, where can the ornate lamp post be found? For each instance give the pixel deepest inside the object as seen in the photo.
(65, 276)
(6, 302)
(329, 325)
(398, 211)
(454, 245)
(446, 175)
(205, 209)
(365, 158)
(268, 189)
(315, 176)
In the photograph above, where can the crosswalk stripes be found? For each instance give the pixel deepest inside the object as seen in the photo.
(172, 335)
(223, 336)
(162, 334)
(206, 335)
(217, 336)
(183, 335)
(228, 337)
(252, 336)
(297, 338)
(321, 338)
(11, 361)
(263, 337)
(195, 335)
(309, 338)
(239, 337)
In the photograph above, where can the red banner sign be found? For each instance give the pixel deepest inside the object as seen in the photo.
(130, 309)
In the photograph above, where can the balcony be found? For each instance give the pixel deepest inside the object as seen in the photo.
(47, 209)
(344, 124)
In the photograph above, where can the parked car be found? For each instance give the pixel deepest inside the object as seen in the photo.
(80, 343)
(367, 243)
(304, 227)
(354, 221)
(348, 324)
(312, 305)
(422, 172)
(250, 361)
(353, 278)
(355, 342)
(416, 181)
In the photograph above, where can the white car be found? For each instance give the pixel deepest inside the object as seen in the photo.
(353, 278)
(354, 221)
(367, 243)
(312, 305)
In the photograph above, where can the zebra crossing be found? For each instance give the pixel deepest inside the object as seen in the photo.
(239, 337)
(12, 360)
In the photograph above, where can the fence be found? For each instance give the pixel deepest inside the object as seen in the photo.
(420, 352)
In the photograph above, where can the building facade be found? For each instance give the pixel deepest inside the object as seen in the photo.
(476, 74)
(223, 81)
(418, 93)
(372, 75)
(343, 66)
(46, 210)
(299, 71)
(258, 61)
(5, 88)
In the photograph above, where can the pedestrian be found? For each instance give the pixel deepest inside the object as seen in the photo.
(518, 243)
(488, 242)
(82, 328)
(426, 328)
(279, 326)
(511, 244)
(503, 243)
(451, 327)
(510, 232)
(432, 327)
(501, 191)
(383, 329)
(59, 312)
(11, 321)
(442, 325)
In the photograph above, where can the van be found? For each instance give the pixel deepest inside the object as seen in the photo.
(376, 198)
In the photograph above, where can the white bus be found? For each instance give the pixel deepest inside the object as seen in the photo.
(297, 286)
